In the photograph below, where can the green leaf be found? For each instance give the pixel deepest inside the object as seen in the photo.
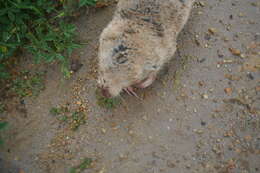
(3, 125)
(3, 72)
(87, 2)
(85, 164)
(6, 36)
(3, 11)
(11, 16)
(62, 14)
(28, 24)
(73, 170)
(1, 141)
(4, 20)
(80, 168)
(28, 7)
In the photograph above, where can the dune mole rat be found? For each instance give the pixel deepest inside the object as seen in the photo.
(138, 41)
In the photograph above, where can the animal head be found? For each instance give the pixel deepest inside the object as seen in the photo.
(128, 53)
(116, 67)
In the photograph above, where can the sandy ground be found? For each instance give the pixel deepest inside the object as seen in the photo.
(200, 116)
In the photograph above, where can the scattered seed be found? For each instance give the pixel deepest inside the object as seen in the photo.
(171, 164)
(228, 91)
(212, 31)
(257, 88)
(103, 130)
(235, 51)
(232, 77)
(205, 96)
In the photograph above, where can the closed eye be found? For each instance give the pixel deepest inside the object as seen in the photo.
(120, 54)
(120, 48)
(121, 59)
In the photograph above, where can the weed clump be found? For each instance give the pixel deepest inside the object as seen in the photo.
(38, 26)
(3, 126)
(85, 164)
(28, 84)
(108, 103)
(72, 118)
(2, 107)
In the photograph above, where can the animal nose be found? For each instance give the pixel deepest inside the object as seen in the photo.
(105, 93)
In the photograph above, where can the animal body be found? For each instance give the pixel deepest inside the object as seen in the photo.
(138, 41)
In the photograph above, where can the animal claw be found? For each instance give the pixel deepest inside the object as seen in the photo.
(125, 89)
(146, 82)
(130, 91)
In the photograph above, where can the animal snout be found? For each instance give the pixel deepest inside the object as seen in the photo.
(105, 93)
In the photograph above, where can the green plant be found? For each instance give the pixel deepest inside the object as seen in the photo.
(3, 72)
(38, 26)
(28, 84)
(61, 113)
(63, 118)
(59, 110)
(87, 2)
(3, 126)
(55, 111)
(82, 166)
(64, 115)
(108, 103)
(53, 43)
(78, 118)
(2, 107)
(178, 73)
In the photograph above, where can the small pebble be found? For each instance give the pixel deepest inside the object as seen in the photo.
(228, 91)
(171, 164)
(220, 54)
(205, 96)
(144, 117)
(213, 31)
(203, 123)
(103, 130)
(250, 76)
(131, 132)
(235, 51)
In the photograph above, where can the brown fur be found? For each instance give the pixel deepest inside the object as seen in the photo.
(139, 40)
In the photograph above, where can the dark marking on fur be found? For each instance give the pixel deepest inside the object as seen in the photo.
(124, 14)
(120, 48)
(120, 54)
(130, 31)
(145, 12)
(121, 59)
(155, 66)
